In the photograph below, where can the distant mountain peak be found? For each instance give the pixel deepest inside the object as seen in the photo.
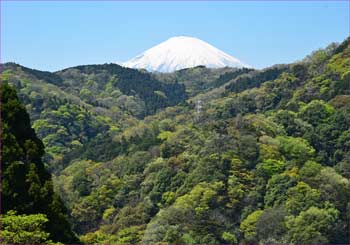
(181, 52)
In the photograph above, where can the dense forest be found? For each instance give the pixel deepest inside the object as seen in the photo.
(266, 159)
(33, 212)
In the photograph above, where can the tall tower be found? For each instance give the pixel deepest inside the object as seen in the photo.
(199, 107)
(199, 115)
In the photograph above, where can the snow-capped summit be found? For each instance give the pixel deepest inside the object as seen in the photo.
(182, 52)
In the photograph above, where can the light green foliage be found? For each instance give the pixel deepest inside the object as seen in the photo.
(248, 226)
(165, 135)
(301, 197)
(25, 229)
(293, 125)
(188, 239)
(130, 235)
(108, 214)
(229, 238)
(277, 188)
(340, 63)
(168, 198)
(310, 170)
(263, 125)
(97, 237)
(317, 111)
(270, 167)
(85, 94)
(269, 148)
(202, 197)
(178, 222)
(312, 226)
(239, 182)
(297, 150)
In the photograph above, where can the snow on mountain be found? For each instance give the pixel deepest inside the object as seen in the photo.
(182, 52)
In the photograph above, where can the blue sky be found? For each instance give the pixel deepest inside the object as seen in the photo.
(55, 35)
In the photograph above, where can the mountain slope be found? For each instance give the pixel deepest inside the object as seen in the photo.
(71, 107)
(266, 159)
(26, 185)
(265, 162)
(182, 52)
(200, 79)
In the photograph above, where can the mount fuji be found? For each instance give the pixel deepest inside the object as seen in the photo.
(182, 52)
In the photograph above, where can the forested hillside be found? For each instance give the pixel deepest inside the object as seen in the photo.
(266, 160)
(71, 107)
(32, 212)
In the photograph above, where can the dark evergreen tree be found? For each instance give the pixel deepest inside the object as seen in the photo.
(26, 185)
